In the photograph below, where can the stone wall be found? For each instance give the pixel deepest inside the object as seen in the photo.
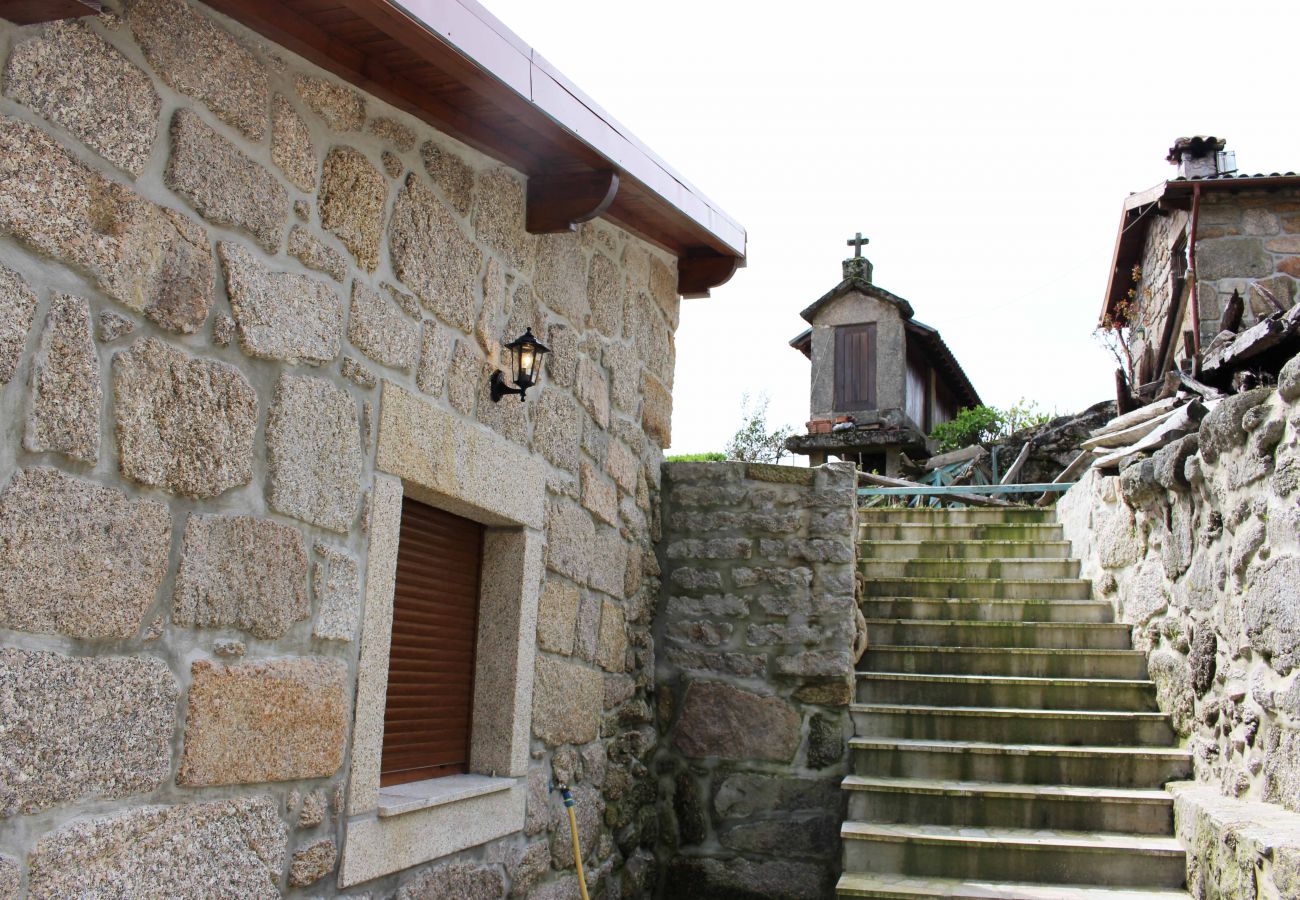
(1198, 547)
(215, 259)
(756, 627)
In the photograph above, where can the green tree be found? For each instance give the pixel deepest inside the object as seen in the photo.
(753, 442)
(986, 424)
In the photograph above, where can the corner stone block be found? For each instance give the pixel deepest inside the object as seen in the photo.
(351, 203)
(64, 541)
(179, 852)
(730, 723)
(567, 699)
(656, 411)
(241, 571)
(264, 721)
(313, 440)
(149, 259)
(280, 315)
(66, 389)
(80, 728)
(183, 423)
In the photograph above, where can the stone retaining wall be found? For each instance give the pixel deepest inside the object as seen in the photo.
(756, 629)
(1198, 547)
(215, 260)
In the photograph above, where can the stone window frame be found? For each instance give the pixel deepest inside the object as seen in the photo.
(454, 464)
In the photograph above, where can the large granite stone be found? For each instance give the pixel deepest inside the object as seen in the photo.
(278, 720)
(400, 136)
(313, 442)
(450, 173)
(194, 851)
(611, 649)
(351, 203)
(491, 317)
(243, 572)
(647, 331)
(17, 310)
(1271, 613)
(81, 728)
(593, 390)
(1242, 257)
(63, 416)
(291, 146)
(150, 259)
(730, 723)
(78, 558)
(381, 331)
(561, 280)
(338, 591)
(76, 79)
(312, 862)
(1173, 680)
(224, 185)
(314, 254)
(814, 837)
(589, 810)
(461, 880)
(499, 217)
(342, 108)
(432, 256)
(280, 315)
(183, 423)
(570, 536)
(745, 794)
(605, 296)
(656, 411)
(567, 701)
(10, 877)
(436, 345)
(557, 616)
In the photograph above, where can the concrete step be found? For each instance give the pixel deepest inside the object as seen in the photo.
(942, 567)
(963, 549)
(1052, 857)
(889, 886)
(1053, 663)
(1012, 726)
(973, 804)
(993, 588)
(967, 516)
(985, 610)
(1007, 691)
(1033, 532)
(1096, 766)
(926, 633)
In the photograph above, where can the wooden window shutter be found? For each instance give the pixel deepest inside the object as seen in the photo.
(430, 701)
(855, 366)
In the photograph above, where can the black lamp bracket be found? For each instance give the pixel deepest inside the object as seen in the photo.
(499, 388)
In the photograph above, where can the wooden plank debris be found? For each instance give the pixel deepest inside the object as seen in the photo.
(1072, 471)
(1171, 427)
(1010, 476)
(930, 490)
(1128, 435)
(1254, 341)
(974, 451)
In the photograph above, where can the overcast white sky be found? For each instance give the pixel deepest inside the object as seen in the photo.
(984, 148)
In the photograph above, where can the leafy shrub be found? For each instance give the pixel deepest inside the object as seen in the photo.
(697, 457)
(974, 424)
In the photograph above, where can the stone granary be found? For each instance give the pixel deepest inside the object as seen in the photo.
(258, 261)
(1245, 233)
(881, 380)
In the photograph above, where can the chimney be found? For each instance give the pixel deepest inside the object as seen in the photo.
(1201, 156)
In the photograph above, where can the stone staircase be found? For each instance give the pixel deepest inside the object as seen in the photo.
(1008, 742)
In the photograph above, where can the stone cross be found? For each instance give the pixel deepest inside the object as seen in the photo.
(857, 242)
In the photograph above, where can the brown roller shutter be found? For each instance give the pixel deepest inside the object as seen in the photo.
(855, 367)
(431, 663)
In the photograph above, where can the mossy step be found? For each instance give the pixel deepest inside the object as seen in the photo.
(993, 588)
(970, 515)
(890, 549)
(997, 568)
(1015, 725)
(1087, 662)
(923, 531)
(965, 760)
(1068, 857)
(889, 886)
(1007, 691)
(925, 633)
(981, 609)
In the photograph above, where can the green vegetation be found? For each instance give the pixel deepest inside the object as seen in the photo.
(753, 442)
(987, 424)
(714, 456)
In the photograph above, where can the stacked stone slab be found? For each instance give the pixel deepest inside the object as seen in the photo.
(1007, 740)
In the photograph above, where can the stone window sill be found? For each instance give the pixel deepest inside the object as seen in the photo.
(404, 798)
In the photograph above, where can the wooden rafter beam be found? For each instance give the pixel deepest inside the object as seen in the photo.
(700, 272)
(33, 12)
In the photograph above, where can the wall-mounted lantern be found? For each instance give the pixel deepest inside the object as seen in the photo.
(526, 354)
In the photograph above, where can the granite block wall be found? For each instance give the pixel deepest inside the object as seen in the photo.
(757, 628)
(215, 259)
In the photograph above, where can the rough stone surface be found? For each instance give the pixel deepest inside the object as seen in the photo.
(147, 258)
(432, 256)
(611, 650)
(730, 723)
(94, 727)
(75, 79)
(1272, 615)
(436, 346)
(314, 254)
(278, 720)
(63, 416)
(557, 616)
(561, 280)
(690, 878)
(351, 203)
(109, 326)
(338, 591)
(499, 217)
(313, 810)
(183, 423)
(1173, 680)
(656, 411)
(10, 877)
(570, 536)
(63, 540)
(1203, 659)
(392, 131)
(291, 146)
(380, 331)
(744, 794)
(466, 880)
(17, 310)
(825, 741)
(342, 108)
(566, 701)
(465, 375)
(280, 315)
(450, 173)
(195, 851)
(312, 862)
(195, 56)
(313, 446)
(225, 186)
(241, 572)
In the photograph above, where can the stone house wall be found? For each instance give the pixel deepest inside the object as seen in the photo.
(756, 628)
(1198, 547)
(891, 351)
(243, 308)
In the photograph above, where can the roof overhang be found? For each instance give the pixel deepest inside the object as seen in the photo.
(457, 67)
(942, 358)
(848, 285)
(1140, 208)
